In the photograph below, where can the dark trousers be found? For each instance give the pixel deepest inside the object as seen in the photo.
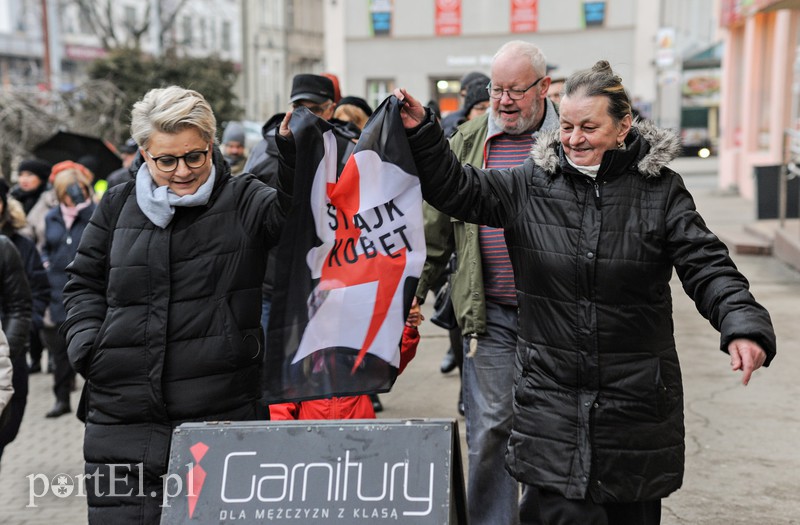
(35, 349)
(555, 509)
(457, 345)
(63, 373)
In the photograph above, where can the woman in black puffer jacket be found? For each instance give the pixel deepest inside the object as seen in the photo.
(595, 224)
(164, 301)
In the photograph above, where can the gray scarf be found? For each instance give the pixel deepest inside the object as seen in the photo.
(158, 202)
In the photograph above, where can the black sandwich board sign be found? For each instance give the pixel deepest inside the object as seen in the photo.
(315, 472)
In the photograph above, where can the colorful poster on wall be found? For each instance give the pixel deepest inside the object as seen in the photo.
(524, 16)
(380, 12)
(448, 17)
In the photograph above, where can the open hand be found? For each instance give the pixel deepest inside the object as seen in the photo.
(411, 110)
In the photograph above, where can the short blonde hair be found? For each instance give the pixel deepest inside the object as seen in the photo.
(353, 114)
(65, 178)
(171, 110)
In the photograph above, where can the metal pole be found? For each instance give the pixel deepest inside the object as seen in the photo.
(783, 181)
(46, 42)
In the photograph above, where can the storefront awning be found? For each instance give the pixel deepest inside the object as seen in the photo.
(707, 58)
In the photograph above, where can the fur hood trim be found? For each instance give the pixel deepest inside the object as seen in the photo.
(664, 146)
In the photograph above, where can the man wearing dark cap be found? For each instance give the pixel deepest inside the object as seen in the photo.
(317, 93)
(314, 92)
(32, 176)
(127, 153)
(451, 121)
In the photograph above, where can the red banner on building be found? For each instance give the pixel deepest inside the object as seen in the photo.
(524, 16)
(448, 17)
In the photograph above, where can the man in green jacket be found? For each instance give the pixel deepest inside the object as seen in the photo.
(483, 284)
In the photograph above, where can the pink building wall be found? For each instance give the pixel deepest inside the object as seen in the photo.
(756, 99)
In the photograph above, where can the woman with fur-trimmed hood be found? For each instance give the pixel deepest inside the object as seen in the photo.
(595, 223)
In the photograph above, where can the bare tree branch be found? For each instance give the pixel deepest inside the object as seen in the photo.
(28, 117)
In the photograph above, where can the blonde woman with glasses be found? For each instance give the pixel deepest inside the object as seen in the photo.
(163, 305)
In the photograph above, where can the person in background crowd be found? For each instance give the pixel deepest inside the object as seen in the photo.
(452, 121)
(354, 110)
(315, 92)
(163, 302)
(483, 283)
(12, 225)
(6, 379)
(36, 198)
(64, 226)
(127, 153)
(337, 92)
(596, 223)
(47, 202)
(32, 175)
(233, 147)
(476, 103)
(15, 318)
(554, 91)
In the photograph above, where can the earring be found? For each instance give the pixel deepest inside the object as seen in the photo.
(620, 145)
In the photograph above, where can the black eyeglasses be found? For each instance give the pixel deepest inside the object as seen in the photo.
(513, 94)
(193, 160)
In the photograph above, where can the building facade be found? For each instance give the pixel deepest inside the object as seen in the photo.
(50, 43)
(21, 44)
(761, 88)
(281, 38)
(427, 45)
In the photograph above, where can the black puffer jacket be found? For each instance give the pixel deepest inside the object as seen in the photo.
(15, 298)
(166, 327)
(598, 394)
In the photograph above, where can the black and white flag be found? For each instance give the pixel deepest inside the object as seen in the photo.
(352, 250)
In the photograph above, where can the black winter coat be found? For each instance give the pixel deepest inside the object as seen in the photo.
(36, 274)
(15, 298)
(165, 326)
(598, 400)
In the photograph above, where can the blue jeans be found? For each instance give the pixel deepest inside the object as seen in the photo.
(487, 382)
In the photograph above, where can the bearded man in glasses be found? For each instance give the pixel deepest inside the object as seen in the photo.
(163, 302)
(483, 283)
